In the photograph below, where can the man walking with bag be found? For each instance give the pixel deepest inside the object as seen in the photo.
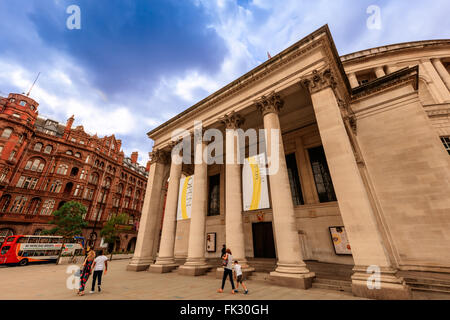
(100, 265)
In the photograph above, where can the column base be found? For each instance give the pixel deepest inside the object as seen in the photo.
(138, 265)
(162, 268)
(247, 272)
(292, 280)
(194, 270)
(385, 286)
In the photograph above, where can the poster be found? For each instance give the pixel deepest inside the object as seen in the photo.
(211, 242)
(185, 198)
(340, 241)
(254, 183)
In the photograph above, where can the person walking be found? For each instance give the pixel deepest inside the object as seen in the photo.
(238, 277)
(87, 268)
(227, 270)
(100, 265)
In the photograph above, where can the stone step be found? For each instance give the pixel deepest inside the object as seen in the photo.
(331, 287)
(428, 281)
(333, 282)
(429, 287)
(259, 276)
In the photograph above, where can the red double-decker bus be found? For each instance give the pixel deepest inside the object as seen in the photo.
(22, 250)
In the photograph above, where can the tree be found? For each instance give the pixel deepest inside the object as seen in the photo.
(68, 221)
(110, 231)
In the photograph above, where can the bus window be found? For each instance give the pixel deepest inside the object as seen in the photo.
(27, 254)
(22, 240)
(33, 240)
(5, 249)
(45, 240)
(10, 239)
(56, 240)
(20, 253)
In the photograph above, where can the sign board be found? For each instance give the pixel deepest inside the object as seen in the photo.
(185, 198)
(340, 241)
(254, 183)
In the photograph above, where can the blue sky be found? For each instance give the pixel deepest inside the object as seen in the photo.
(135, 64)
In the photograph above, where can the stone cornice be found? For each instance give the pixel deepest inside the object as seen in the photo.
(321, 37)
(269, 104)
(403, 76)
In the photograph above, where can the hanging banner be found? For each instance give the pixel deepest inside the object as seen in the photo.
(254, 183)
(185, 198)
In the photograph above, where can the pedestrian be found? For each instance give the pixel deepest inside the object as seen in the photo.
(86, 271)
(227, 261)
(238, 277)
(224, 250)
(100, 265)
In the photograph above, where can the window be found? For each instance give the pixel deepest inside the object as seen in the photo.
(56, 186)
(322, 176)
(73, 140)
(68, 152)
(125, 203)
(7, 133)
(87, 159)
(5, 200)
(78, 155)
(120, 188)
(16, 115)
(81, 142)
(107, 183)
(23, 103)
(62, 169)
(12, 155)
(1, 149)
(93, 178)
(446, 142)
(83, 175)
(19, 204)
(47, 207)
(129, 191)
(34, 207)
(294, 180)
(78, 190)
(214, 195)
(48, 149)
(37, 147)
(35, 165)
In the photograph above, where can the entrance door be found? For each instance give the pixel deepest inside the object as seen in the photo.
(263, 243)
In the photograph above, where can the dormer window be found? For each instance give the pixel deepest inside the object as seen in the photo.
(23, 103)
(33, 108)
(12, 100)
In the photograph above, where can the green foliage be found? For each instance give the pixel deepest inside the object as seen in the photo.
(110, 232)
(68, 220)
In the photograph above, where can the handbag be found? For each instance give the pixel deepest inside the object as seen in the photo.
(225, 262)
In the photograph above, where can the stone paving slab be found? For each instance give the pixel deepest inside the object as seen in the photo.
(48, 282)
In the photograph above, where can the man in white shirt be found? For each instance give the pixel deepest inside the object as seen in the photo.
(100, 264)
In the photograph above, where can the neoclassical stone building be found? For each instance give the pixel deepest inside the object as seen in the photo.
(363, 179)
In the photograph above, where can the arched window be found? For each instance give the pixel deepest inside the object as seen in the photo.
(138, 195)
(34, 206)
(7, 133)
(56, 186)
(68, 188)
(120, 188)
(62, 169)
(47, 207)
(69, 152)
(96, 163)
(77, 154)
(107, 183)
(48, 149)
(18, 204)
(38, 147)
(5, 200)
(129, 191)
(102, 165)
(93, 178)
(87, 159)
(83, 175)
(35, 164)
(74, 172)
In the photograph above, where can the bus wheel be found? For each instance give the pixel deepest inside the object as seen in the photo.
(23, 262)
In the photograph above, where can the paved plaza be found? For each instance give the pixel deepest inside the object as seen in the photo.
(48, 282)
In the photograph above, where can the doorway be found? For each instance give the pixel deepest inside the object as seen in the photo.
(263, 242)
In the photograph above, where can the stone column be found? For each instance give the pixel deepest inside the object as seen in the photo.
(291, 270)
(196, 263)
(438, 87)
(379, 71)
(437, 63)
(143, 254)
(166, 261)
(354, 204)
(353, 80)
(234, 227)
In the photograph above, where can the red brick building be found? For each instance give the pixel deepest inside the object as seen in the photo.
(44, 164)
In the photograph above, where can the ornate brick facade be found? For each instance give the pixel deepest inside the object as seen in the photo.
(44, 164)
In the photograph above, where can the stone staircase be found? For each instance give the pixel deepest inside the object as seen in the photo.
(330, 284)
(424, 283)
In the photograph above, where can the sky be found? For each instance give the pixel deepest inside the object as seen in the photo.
(133, 65)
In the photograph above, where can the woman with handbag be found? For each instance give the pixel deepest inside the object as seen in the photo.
(87, 266)
(227, 263)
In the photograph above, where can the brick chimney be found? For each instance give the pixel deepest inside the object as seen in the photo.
(147, 168)
(68, 127)
(134, 157)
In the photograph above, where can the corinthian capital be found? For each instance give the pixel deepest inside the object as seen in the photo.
(158, 156)
(319, 80)
(269, 104)
(232, 120)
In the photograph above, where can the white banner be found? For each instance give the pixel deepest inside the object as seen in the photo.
(185, 198)
(254, 183)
